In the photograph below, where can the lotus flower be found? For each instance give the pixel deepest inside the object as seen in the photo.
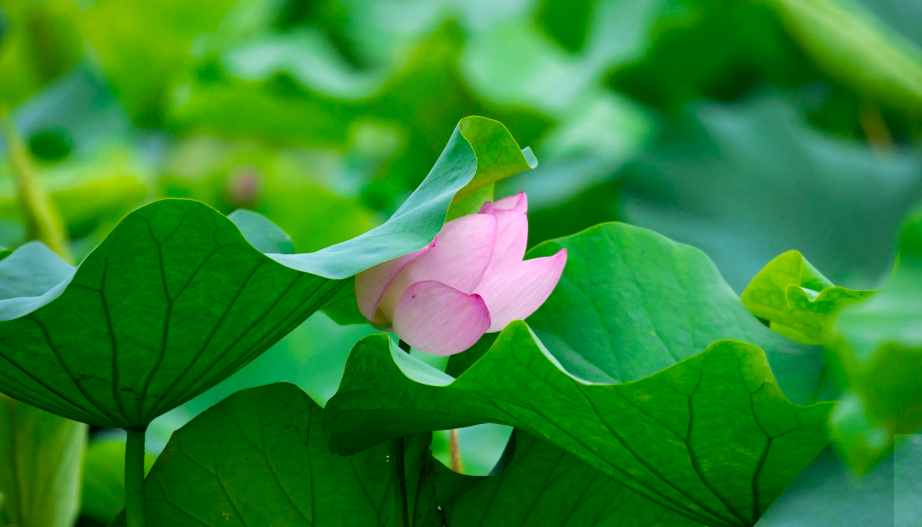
(469, 281)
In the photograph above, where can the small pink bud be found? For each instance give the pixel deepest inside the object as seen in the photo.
(469, 281)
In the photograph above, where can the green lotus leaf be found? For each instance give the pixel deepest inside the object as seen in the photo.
(880, 359)
(730, 439)
(176, 299)
(798, 301)
(259, 459)
(40, 466)
(828, 493)
(632, 302)
(543, 486)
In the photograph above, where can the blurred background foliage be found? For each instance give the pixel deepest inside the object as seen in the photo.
(744, 127)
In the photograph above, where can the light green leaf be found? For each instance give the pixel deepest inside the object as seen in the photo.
(798, 301)
(471, 203)
(175, 299)
(40, 460)
(261, 233)
(880, 359)
(104, 479)
(711, 438)
(631, 302)
(828, 494)
(544, 486)
(259, 459)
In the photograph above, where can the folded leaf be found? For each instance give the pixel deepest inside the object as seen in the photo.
(730, 439)
(543, 486)
(40, 463)
(798, 301)
(880, 359)
(176, 299)
(259, 459)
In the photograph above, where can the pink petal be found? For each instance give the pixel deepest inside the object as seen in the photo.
(460, 257)
(440, 320)
(517, 202)
(511, 238)
(371, 284)
(516, 291)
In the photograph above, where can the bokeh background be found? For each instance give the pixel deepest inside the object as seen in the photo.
(743, 127)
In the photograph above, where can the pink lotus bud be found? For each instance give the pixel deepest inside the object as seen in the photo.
(469, 281)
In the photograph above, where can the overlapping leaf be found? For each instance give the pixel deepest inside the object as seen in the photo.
(798, 301)
(880, 358)
(176, 299)
(543, 486)
(718, 421)
(632, 302)
(259, 459)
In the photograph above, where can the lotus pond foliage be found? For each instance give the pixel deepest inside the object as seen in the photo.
(289, 263)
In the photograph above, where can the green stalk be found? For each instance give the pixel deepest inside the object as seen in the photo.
(43, 220)
(403, 510)
(134, 478)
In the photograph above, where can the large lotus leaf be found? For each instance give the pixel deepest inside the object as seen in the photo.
(40, 466)
(797, 300)
(829, 494)
(175, 299)
(880, 357)
(742, 182)
(259, 459)
(711, 438)
(544, 486)
(632, 302)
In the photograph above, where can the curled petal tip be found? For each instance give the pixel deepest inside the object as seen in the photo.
(516, 291)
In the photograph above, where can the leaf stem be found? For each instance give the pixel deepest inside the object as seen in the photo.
(454, 449)
(43, 220)
(134, 478)
(400, 483)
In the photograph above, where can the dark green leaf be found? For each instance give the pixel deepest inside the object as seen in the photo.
(730, 439)
(545, 487)
(798, 301)
(175, 299)
(259, 459)
(880, 357)
(40, 462)
(828, 494)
